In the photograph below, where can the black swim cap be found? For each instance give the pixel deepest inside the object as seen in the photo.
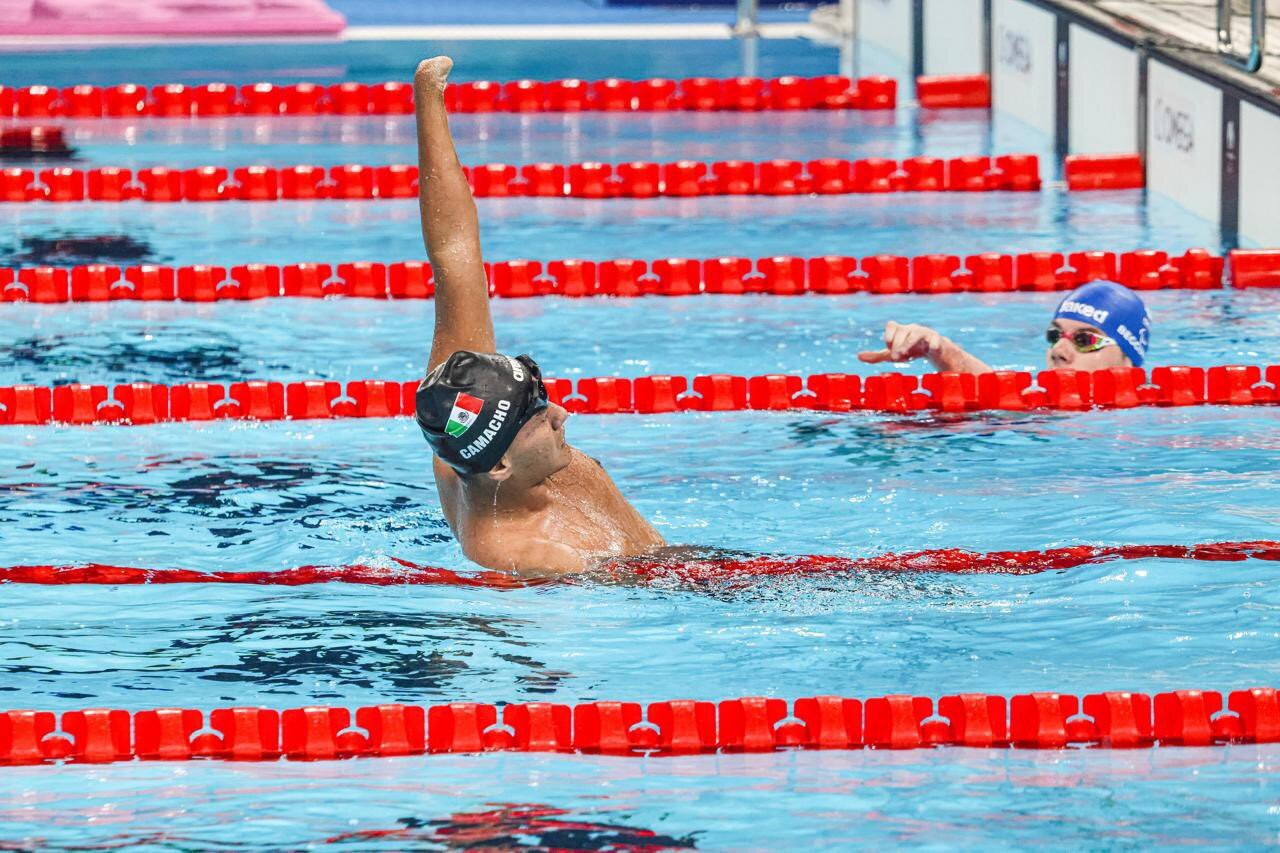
(471, 407)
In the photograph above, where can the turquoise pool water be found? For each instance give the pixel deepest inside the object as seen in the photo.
(273, 496)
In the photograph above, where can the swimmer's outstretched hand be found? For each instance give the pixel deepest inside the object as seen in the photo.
(904, 342)
(433, 74)
(909, 341)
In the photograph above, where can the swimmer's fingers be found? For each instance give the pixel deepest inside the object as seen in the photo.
(433, 73)
(892, 331)
(902, 342)
(910, 342)
(899, 341)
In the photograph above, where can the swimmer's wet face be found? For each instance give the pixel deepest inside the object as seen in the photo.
(540, 449)
(1112, 325)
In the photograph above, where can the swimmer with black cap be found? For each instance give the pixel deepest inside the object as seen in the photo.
(1098, 325)
(517, 496)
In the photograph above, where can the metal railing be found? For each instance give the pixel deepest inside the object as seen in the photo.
(1258, 42)
(748, 22)
(746, 27)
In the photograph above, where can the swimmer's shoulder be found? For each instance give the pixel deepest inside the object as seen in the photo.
(532, 557)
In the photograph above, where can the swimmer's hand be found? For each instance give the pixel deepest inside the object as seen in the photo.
(433, 74)
(905, 342)
(909, 341)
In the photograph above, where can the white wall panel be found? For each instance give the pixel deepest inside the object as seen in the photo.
(953, 37)
(1259, 176)
(1024, 63)
(886, 23)
(1184, 140)
(1103, 102)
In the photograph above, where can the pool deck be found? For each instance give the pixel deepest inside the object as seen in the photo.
(1188, 29)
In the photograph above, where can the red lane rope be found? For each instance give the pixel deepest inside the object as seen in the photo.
(408, 574)
(1044, 720)
(780, 275)
(701, 94)
(955, 561)
(1006, 390)
(591, 180)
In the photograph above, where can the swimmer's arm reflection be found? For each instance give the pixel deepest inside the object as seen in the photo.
(450, 224)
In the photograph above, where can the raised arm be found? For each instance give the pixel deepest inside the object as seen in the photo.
(450, 226)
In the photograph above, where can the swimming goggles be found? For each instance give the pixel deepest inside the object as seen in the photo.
(1082, 339)
(540, 400)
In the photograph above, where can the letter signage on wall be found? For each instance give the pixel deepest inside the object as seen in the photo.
(1024, 63)
(1184, 140)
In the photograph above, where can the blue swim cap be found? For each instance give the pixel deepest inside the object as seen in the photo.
(1116, 310)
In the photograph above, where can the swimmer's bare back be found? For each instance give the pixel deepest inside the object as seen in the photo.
(526, 520)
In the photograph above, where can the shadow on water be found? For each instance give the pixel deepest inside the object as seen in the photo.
(74, 250)
(89, 356)
(292, 485)
(400, 656)
(234, 499)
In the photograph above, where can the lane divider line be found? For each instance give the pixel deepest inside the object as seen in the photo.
(691, 94)
(780, 275)
(656, 94)
(1007, 390)
(588, 180)
(1042, 720)
(950, 561)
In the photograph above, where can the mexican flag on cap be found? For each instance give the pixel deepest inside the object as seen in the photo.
(464, 413)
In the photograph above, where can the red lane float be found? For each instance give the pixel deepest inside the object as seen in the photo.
(967, 91)
(1010, 391)
(403, 573)
(682, 178)
(1104, 172)
(1254, 267)
(1105, 720)
(217, 100)
(952, 561)
(989, 272)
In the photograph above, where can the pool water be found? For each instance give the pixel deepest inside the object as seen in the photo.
(327, 61)
(229, 496)
(549, 137)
